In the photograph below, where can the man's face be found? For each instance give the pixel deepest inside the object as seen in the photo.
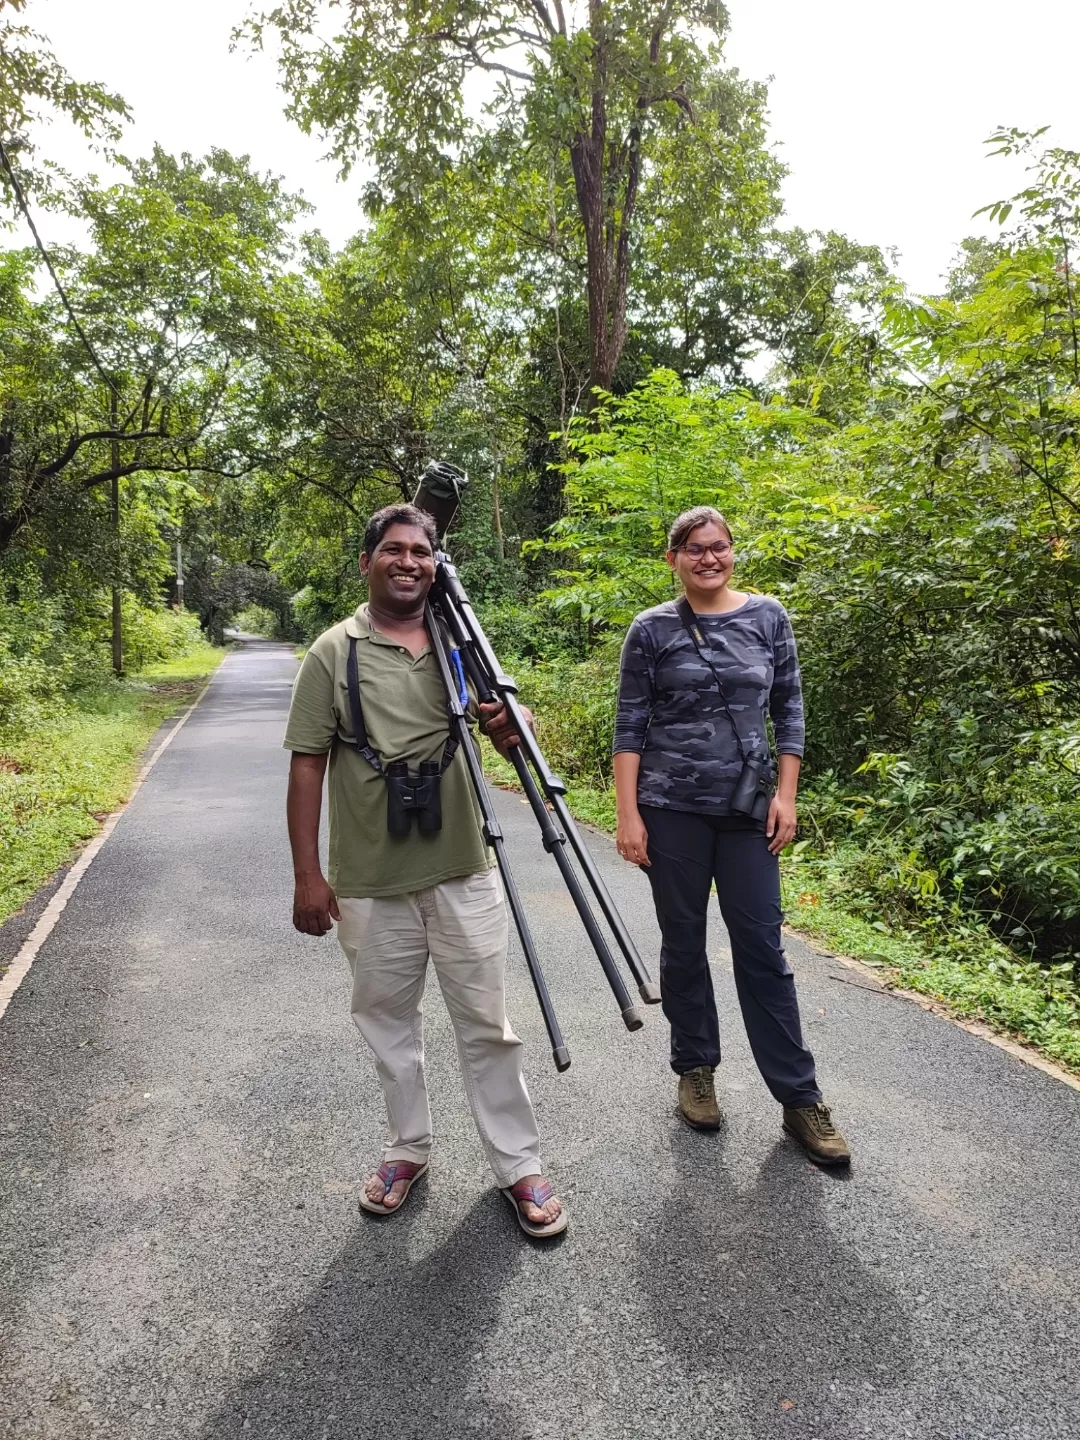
(401, 569)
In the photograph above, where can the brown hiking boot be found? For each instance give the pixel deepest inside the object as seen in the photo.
(816, 1133)
(697, 1099)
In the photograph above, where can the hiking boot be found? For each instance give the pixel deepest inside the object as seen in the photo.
(813, 1128)
(697, 1099)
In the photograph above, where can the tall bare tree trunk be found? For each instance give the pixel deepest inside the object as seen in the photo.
(607, 173)
(500, 542)
(117, 624)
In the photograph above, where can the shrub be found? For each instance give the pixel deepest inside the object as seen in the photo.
(574, 703)
(256, 620)
(153, 635)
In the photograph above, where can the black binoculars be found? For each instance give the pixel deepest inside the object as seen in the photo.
(408, 795)
(755, 786)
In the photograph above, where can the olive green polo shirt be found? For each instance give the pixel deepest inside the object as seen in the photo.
(404, 705)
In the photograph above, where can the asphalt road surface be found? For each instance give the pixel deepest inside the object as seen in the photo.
(186, 1114)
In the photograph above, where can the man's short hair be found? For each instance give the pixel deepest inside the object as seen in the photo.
(402, 514)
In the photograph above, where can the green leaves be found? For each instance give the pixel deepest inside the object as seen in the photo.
(35, 87)
(594, 142)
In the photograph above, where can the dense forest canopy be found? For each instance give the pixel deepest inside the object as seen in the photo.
(574, 278)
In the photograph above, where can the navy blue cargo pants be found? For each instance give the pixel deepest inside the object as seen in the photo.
(687, 852)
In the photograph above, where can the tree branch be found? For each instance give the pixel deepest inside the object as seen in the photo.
(542, 13)
(76, 443)
(189, 467)
(322, 485)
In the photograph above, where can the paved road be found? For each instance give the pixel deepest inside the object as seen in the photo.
(185, 1113)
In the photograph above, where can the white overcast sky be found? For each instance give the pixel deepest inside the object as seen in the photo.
(879, 111)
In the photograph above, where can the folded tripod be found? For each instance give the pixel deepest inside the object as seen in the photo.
(451, 615)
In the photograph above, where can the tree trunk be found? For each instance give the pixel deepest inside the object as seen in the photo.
(606, 178)
(500, 543)
(117, 625)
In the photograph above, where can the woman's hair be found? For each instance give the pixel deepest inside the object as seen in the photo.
(689, 521)
(381, 521)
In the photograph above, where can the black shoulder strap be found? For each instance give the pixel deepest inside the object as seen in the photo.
(360, 735)
(352, 676)
(690, 625)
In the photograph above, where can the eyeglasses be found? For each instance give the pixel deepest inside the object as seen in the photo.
(694, 551)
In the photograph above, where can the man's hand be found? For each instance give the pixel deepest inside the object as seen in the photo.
(780, 823)
(315, 905)
(496, 724)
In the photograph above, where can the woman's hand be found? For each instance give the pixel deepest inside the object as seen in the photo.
(632, 839)
(780, 824)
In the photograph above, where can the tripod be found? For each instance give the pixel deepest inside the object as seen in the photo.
(462, 650)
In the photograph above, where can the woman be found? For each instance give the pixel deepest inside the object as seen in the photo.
(697, 678)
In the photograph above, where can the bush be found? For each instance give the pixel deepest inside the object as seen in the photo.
(537, 631)
(53, 651)
(46, 651)
(574, 704)
(152, 635)
(256, 620)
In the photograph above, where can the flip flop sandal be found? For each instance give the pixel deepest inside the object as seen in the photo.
(534, 1195)
(388, 1172)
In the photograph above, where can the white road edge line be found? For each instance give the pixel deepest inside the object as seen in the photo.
(27, 953)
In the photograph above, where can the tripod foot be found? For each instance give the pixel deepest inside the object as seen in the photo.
(631, 1019)
(562, 1058)
(649, 992)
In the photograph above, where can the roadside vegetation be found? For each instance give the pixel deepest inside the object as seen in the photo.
(585, 293)
(71, 740)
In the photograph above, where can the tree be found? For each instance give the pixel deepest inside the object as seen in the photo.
(34, 87)
(571, 122)
(388, 359)
(175, 295)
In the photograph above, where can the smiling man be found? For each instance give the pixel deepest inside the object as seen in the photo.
(402, 898)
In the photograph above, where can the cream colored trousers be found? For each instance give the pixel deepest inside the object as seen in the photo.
(462, 925)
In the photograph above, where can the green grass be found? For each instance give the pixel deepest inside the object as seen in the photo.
(966, 969)
(964, 966)
(60, 776)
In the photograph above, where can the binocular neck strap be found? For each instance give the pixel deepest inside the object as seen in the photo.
(352, 677)
(690, 625)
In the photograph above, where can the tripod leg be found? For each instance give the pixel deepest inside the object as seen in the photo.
(555, 844)
(485, 670)
(647, 987)
(493, 835)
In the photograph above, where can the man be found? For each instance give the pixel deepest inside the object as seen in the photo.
(399, 899)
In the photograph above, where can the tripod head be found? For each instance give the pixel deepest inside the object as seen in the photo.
(439, 494)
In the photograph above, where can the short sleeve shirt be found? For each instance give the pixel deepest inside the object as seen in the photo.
(404, 707)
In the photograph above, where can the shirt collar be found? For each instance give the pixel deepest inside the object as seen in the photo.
(357, 626)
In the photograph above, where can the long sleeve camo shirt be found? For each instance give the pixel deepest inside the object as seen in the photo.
(671, 714)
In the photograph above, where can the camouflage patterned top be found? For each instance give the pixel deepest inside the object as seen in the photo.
(670, 711)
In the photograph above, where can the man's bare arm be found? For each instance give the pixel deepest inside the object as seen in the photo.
(315, 906)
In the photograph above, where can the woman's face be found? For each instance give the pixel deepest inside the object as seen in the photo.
(704, 561)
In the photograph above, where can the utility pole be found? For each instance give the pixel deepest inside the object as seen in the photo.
(179, 575)
(117, 627)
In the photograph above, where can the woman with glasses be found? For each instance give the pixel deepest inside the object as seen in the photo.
(697, 804)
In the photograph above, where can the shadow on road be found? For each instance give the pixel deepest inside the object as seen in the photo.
(755, 1296)
(385, 1348)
